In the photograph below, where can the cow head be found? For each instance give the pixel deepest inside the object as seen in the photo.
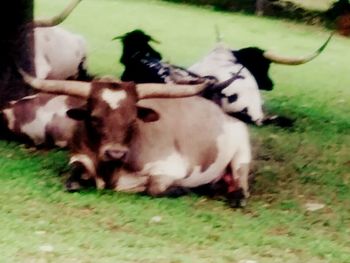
(252, 58)
(135, 47)
(109, 117)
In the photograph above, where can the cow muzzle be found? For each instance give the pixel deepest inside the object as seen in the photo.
(114, 153)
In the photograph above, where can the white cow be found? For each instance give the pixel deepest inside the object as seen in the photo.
(59, 54)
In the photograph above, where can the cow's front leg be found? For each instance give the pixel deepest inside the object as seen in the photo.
(78, 177)
(159, 186)
(82, 173)
(238, 186)
(124, 181)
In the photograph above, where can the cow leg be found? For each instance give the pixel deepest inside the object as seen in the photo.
(175, 191)
(83, 173)
(238, 188)
(78, 177)
(129, 182)
(158, 185)
(240, 172)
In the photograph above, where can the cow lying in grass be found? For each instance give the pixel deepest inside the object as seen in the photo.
(60, 54)
(39, 120)
(152, 138)
(249, 66)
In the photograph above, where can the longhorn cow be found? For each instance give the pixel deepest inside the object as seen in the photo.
(249, 66)
(141, 138)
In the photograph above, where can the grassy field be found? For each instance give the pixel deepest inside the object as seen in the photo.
(40, 222)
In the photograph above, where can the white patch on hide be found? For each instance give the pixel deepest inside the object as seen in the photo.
(228, 144)
(112, 98)
(61, 144)
(248, 97)
(173, 166)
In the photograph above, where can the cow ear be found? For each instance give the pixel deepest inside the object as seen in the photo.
(78, 114)
(147, 114)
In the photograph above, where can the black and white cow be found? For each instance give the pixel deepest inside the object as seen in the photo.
(143, 64)
(249, 66)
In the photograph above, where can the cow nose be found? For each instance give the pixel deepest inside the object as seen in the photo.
(115, 154)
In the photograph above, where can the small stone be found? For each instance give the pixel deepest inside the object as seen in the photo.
(40, 232)
(313, 206)
(247, 261)
(155, 219)
(46, 248)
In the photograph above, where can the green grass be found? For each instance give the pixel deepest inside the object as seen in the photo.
(310, 162)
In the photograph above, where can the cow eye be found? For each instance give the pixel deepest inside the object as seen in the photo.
(95, 121)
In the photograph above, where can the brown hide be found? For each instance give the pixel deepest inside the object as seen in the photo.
(104, 126)
(176, 131)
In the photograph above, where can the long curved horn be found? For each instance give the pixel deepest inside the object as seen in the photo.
(218, 34)
(54, 21)
(68, 87)
(218, 87)
(155, 90)
(295, 61)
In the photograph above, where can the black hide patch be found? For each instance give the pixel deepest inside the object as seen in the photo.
(243, 116)
(232, 98)
(252, 58)
(280, 121)
(141, 61)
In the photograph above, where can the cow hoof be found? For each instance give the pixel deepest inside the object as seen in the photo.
(280, 121)
(237, 203)
(236, 199)
(176, 191)
(72, 186)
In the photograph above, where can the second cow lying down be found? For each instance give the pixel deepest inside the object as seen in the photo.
(241, 97)
(39, 120)
(150, 138)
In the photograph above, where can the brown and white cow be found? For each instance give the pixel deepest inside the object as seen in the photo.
(140, 138)
(40, 119)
